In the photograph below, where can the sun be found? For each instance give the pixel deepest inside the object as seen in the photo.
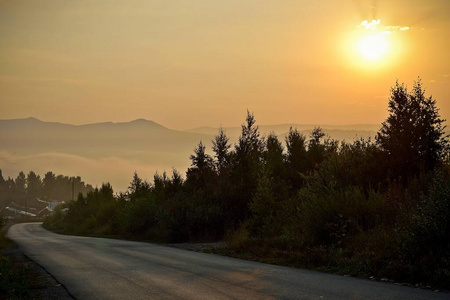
(373, 47)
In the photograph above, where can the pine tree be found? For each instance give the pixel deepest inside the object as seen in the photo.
(48, 183)
(138, 188)
(247, 158)
(202, 168)
(274, 157)
(412, 137)
(296, 159)
(20, 182)
(34, 185)
(221, 149)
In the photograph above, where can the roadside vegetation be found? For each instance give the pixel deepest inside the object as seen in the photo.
(368, 208)
(15, 281)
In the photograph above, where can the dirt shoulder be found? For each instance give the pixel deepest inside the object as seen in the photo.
(41, 285)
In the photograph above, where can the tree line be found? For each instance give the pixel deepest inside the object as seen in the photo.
(51, 187)
(379, 207)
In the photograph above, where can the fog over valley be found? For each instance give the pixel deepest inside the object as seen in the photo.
(112, 152)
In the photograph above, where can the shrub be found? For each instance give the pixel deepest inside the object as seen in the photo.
(329, 216)
(425, 233)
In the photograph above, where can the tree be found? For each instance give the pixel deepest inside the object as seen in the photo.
(10, 185)
(138, 188)
(249, 149)
(248, 154)
(274, 157)
(48, 184)
(221, 148)
(316, 135)
(266, 207)
(201, 160)
(412, 137)
(270, 193)
(174, 184)
(316, 149)
(34, 184)
(20, 182)
(296, 159)
(202, 168)
(2, 182)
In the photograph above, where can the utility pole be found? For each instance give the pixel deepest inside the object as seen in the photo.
(73, 188)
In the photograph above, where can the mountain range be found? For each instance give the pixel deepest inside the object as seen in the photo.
(102, 152)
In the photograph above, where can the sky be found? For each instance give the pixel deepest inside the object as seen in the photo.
(186, 64)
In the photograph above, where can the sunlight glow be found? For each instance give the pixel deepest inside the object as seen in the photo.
(374, 46)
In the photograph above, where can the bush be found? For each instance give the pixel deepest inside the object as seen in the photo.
(425, 233)
(329, 216)
(137, 217)
(265, 222)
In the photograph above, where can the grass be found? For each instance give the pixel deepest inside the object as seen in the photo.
(17, 281)
(360, 263)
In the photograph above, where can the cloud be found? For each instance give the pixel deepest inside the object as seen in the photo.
(372, 25)
(375, 25)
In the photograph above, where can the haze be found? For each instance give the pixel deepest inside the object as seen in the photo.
(192, 64)
(112, 152)
(187, 64)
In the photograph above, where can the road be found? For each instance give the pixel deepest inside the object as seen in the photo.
(97, 268)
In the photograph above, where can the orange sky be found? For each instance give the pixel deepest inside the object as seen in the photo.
(195, 63)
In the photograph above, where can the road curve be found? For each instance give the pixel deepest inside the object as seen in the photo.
(97, 268)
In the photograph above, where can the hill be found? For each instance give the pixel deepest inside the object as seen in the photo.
(113, 151)
(338, 132)
(97, 152)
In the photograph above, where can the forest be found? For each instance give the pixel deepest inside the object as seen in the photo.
(51, 187)
(368, 208)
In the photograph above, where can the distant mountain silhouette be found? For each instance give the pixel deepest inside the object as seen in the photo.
(31, 135)
(135, 124)
(339, 132)
(113, 151)
(36, 124)
(97, 152)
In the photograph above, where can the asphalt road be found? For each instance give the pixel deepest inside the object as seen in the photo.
(97, 268)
